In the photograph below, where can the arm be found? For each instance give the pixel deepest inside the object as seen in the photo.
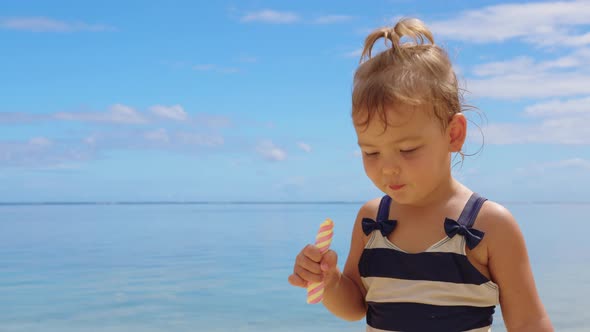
(510, 269)
(346, 297)
(344, 294)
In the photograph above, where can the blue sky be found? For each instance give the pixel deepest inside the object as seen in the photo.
(250, 100)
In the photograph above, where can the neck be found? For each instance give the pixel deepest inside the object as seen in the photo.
(440, 196)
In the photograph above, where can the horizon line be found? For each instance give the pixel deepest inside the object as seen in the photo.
(41, 203)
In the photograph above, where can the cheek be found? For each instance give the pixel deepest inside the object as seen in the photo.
(420, 165)
(370, 167)
(425, 165)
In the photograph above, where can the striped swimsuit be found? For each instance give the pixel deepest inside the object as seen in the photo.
(435, 290)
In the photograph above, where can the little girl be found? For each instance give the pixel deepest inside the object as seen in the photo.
(430, 255)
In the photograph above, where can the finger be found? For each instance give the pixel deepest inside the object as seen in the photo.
(312, 252)
(308, 264)
(307, 275)
(329, 261)
(296, 280)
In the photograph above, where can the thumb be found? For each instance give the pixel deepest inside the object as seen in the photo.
(329, 262)
(329, 268)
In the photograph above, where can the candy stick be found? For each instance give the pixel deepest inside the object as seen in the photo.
(315, 290)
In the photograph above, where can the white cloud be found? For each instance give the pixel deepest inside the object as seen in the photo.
(216, 68)
(90, 140)
(41, 153)
(566, 165)
(559, 107)
(44, 24)
(204, 67)
(354, 54)
(199, 139)
(571, 130)
(228, 70)
(579, 59)
(331, 19)
(520, 77)
(61, 166)
(122, 114)
(212, 121)
(247, 59)
(159, 135)
(271, 16)
(516, 65)
(540, 23)
(303, 146)
(174, 112)
(164, 139)
(285, 17)
(271, 152)
(576, 40)
(44, 153)
(40, 142)
(18, 117)
(530, 85)
(117, 113)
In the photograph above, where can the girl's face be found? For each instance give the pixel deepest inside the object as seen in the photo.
(411, 158)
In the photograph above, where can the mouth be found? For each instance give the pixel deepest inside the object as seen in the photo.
(396, 186)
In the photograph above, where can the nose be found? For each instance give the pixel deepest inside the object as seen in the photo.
(390, 167)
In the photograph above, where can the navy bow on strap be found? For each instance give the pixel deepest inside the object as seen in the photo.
(472, 236)
(385, 226)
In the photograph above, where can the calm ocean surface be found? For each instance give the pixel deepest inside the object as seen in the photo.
(222, 267)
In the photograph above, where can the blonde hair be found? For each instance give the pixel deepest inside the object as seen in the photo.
(413, 73)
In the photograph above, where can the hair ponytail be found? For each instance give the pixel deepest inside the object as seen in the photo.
(412, 28)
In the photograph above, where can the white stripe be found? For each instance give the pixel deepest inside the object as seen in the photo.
(430, 292)
(455, 244)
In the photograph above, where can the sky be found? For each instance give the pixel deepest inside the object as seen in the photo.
(250, 100)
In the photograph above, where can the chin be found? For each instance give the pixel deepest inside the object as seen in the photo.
(403, 196)
(400, 196)
(401, 200)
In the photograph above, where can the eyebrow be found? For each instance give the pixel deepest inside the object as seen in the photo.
(409, 138)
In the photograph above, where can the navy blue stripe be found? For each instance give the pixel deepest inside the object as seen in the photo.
(471, 209)
(433, 266)
(465, 214)
(383, 212)
(417, 317)
(475, 211)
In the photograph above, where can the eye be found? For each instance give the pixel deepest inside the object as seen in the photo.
(371, 154)
(409, 151)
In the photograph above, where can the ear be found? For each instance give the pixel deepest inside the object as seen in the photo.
(457, 132)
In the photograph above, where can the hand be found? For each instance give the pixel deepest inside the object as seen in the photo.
(312, 266)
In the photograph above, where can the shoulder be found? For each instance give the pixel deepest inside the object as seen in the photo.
(498, 224)
(493, 216)
(369, 209)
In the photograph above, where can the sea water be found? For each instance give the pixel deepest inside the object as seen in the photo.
(223, 267)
